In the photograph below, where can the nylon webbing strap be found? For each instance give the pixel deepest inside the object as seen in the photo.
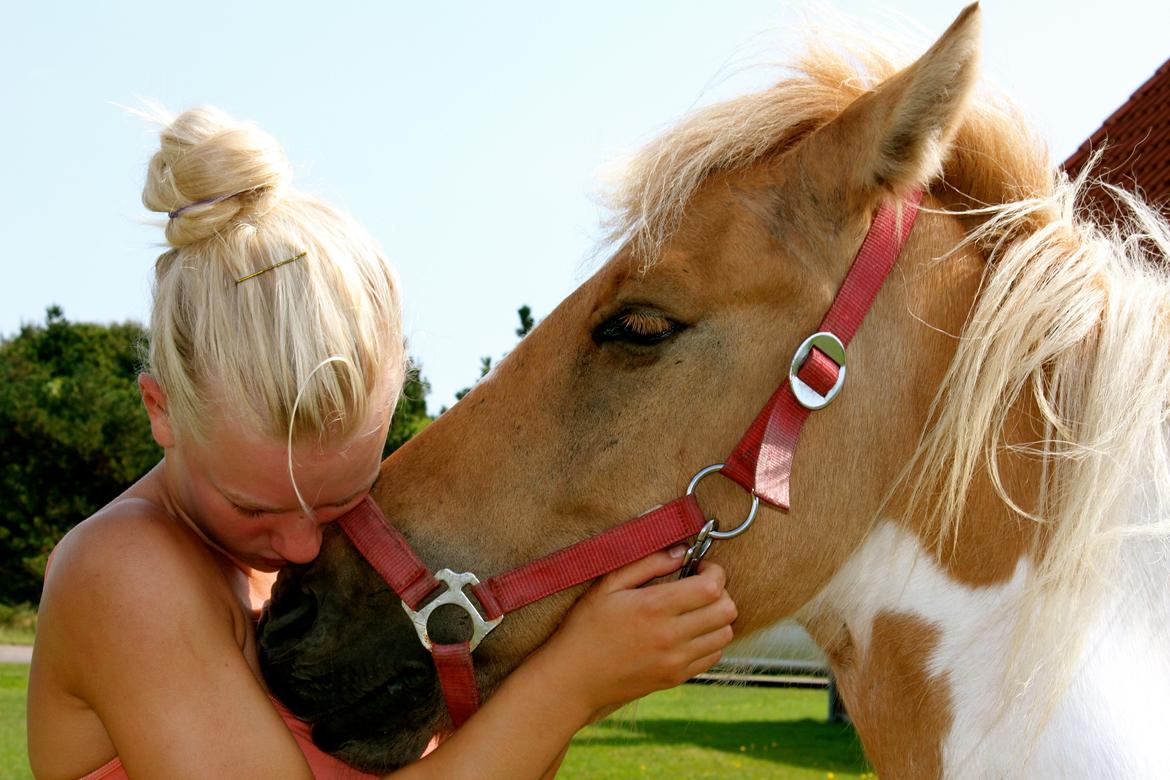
(762, 461)
(388, 552)
(457, 679)
(601, 554)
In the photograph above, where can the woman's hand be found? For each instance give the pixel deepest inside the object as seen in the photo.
(622, 641)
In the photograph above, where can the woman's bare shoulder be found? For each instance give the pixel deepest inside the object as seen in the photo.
(131, 538)
(129, 574)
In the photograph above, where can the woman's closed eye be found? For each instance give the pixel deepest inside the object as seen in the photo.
(247, 511)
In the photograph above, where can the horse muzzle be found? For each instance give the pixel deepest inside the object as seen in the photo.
(371, 697)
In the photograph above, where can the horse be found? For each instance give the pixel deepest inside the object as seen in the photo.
(977, 534)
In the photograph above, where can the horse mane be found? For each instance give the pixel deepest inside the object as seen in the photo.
(1072, 319)
(1072, 316)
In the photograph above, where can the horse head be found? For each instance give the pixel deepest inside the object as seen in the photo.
(737, 228)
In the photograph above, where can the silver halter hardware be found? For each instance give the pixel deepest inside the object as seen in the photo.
(453, 595)
(709, 533)
(829, 344)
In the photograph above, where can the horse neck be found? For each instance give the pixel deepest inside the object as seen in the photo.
(936, 670)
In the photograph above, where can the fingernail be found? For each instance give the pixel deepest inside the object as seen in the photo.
(678, 551)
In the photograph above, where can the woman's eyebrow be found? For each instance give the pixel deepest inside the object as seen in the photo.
(363, 491)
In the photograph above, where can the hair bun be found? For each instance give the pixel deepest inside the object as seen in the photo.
(215, 171)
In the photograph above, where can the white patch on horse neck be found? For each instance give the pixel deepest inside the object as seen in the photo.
(1109, 723)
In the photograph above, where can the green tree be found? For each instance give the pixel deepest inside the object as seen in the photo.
(485, 366)
(410, 415)
(485, 362)
(526, 321)
(72, 436)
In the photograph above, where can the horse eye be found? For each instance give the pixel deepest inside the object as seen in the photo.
(634, 327)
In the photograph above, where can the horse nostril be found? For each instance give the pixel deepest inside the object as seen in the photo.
(289, 617)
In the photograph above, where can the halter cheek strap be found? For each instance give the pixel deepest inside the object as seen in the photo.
(761, 463)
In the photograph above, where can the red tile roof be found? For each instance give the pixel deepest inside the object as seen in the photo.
(1136, 139)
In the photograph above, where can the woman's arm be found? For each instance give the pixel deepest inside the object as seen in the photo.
(620, 642)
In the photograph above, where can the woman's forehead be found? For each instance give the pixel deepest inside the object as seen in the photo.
(250, 467)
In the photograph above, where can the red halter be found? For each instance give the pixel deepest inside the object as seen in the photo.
(761, 463)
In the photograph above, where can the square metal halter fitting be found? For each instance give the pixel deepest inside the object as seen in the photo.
(453, 595)
(832, 347)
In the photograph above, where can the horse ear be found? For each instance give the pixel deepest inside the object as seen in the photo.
(896, 137)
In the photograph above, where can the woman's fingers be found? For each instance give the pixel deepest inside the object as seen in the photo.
(702, 665)
(712, 642)
(707, 618)
(682, 596)
(704, 651)
(641, 571)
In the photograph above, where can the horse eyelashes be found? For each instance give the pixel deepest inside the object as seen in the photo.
(646, 325)
(636, 328)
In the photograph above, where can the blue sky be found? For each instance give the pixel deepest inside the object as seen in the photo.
(466, 136)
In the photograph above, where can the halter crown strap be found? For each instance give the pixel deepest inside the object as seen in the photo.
(389, 554)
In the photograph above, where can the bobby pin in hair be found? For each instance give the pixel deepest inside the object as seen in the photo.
(269, 268)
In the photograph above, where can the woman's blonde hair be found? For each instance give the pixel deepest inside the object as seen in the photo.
(297, 350)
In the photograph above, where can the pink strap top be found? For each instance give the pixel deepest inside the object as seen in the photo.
(323, 765)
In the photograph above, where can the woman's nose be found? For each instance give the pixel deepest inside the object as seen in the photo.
(298, 539)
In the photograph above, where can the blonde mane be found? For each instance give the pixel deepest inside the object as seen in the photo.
(1071, 320)
(1072, 317)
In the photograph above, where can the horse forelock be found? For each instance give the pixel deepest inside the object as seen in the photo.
(995, 155)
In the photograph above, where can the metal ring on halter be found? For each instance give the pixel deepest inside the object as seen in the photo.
(453, 595)
(833, 349)
(739, 529)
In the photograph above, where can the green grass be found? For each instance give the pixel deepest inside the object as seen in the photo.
(13, 749)
(18, 624)
(15, 636)
(696, 731)
(701, 731)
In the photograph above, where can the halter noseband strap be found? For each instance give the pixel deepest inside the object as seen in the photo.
(761, 463)
(384, 547)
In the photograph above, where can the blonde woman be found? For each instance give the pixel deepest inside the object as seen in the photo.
(276, 357)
